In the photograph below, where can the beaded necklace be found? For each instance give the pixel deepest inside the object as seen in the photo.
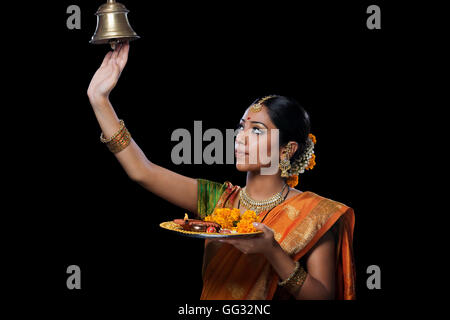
(262, 220)
(260, 205)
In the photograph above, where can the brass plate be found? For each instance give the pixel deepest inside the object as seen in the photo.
(172, 226)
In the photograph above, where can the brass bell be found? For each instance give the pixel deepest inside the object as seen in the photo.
(112, 25)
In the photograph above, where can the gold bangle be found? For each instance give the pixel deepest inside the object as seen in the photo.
(104, 140)
(119, 140)
(296, 279)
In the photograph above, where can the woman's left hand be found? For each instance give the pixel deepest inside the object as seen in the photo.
(262, 243)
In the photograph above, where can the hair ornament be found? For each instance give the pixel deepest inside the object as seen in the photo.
(256, 107)
(307, 161)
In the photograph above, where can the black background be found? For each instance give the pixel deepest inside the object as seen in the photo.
(208, 62)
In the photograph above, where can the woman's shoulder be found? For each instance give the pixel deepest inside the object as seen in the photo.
(312, 197)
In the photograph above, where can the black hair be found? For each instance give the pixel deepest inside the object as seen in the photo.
(291, 119)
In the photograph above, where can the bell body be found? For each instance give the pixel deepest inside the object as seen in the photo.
(112, 24)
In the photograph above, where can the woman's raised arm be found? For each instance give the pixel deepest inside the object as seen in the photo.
(173, 187)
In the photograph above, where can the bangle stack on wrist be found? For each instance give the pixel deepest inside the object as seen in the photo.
(296, 279)
(119, 140)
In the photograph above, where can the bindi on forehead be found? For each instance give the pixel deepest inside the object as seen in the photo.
(248, 118)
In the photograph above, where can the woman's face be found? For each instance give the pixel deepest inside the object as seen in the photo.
(256, 141)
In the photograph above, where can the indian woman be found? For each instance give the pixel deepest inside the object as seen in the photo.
(304, 250)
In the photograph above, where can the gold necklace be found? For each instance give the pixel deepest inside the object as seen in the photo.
(261, 205)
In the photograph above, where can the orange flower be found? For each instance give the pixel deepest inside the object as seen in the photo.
(292, 181)
(313, 138)
(231, 219)
(245, 225)
(312, 162)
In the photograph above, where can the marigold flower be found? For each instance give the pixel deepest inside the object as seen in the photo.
(292, 181)
(312, 162)
(232, 219)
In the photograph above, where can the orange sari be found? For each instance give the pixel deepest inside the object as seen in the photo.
(298, 223)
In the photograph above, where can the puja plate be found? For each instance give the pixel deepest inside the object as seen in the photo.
(172, 226)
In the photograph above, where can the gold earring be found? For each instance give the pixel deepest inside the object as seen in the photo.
(285, 164)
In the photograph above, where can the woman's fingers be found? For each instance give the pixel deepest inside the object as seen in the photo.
(236, 243)
(123, 54)
(120, 55)
(116, 52)
(229, 241)
(262, 227)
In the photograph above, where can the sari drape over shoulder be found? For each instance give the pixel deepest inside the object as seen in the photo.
(298, 223)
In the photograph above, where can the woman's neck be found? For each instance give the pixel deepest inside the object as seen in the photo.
(261, 187)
